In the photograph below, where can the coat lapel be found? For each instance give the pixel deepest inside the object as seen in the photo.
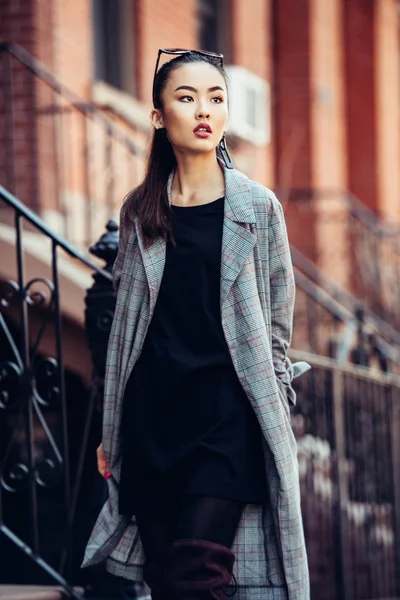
(238, 240)
(153, 261)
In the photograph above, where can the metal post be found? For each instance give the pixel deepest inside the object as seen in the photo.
(395, 441)
(342, 484)
(26, 389)
(63, 399)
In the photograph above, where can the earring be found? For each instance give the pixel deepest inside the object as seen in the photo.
(226, 157)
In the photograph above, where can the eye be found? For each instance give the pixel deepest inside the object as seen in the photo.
(186, 99)
(217, 99)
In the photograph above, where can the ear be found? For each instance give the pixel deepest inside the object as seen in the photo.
(156, 119)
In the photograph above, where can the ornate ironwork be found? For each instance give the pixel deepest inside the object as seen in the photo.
(34, 442)
(371, 247)
(35, 382)
(347, 427)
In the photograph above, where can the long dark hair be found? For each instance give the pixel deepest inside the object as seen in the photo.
(149, 202)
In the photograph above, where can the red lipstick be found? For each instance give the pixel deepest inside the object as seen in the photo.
(202, 130)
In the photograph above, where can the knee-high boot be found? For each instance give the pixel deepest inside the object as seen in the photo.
(198, 570)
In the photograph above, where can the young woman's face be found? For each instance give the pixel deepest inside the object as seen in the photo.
(195, 108)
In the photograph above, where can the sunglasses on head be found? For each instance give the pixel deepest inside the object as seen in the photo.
(181, 52)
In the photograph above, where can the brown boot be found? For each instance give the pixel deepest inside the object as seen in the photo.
(153, 575)
(198, 570)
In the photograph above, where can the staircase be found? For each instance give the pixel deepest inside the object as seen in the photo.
(35, 451)
(354, 236)
(34, 592)
(321, 302)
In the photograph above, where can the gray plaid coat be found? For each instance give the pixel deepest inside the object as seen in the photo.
(257, 297)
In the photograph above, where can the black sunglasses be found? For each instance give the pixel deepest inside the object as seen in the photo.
(181, 52)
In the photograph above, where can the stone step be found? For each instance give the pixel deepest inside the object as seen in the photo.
(34, 592)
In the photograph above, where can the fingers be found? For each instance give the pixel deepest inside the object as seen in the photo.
(102, 463)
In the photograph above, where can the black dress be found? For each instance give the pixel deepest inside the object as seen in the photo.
(188, 427)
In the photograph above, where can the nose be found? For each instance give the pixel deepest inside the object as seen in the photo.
(202, 113)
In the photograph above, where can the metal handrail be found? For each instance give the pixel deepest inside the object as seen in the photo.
(86, 108)
(324, 362)
(342, 296)
(375, 244)
(366, 216)
(344, 313)
(32, 218)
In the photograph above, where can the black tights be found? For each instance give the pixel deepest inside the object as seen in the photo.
(201, 517)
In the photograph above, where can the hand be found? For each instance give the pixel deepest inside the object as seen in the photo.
(102, 465)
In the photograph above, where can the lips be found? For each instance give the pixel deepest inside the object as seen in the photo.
(202, 127)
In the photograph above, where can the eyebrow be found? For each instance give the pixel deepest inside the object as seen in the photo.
(192, 89)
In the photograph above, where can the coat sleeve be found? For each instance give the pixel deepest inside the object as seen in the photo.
(282, 296)
(122, 246)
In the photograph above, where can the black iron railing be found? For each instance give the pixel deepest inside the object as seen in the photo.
(34, 439)
(347, 426)
(65, 158)
(369, 247)
(337, 322)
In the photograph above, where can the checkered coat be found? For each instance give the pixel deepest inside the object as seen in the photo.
(257, 297)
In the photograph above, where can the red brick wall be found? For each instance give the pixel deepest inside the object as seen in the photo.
(162, 24)
(73, 45)
(334, 75)
(17, 22)
(360, 71)
(18, 139)
(292, 99)
(372, 83)
(327, 149)
(386, 29)
(291, 113)
(251, 48)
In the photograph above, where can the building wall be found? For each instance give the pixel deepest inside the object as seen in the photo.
(360, 73)
(17, 159)
(73, 44)
(333, 68)
(162, 24)
(386, 28)
(328, 150)
(252, 49)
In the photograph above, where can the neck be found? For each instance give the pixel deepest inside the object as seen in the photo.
(198, 180)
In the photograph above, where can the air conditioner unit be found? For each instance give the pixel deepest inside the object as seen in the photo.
(249, 106)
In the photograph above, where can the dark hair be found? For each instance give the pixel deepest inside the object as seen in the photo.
(148, 202)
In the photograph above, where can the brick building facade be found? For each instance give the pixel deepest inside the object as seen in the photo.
(330, 72)
(332, 68)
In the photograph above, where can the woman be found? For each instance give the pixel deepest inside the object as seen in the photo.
(197, 447)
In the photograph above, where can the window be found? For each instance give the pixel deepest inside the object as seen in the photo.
(214, 22)
(114, 50)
